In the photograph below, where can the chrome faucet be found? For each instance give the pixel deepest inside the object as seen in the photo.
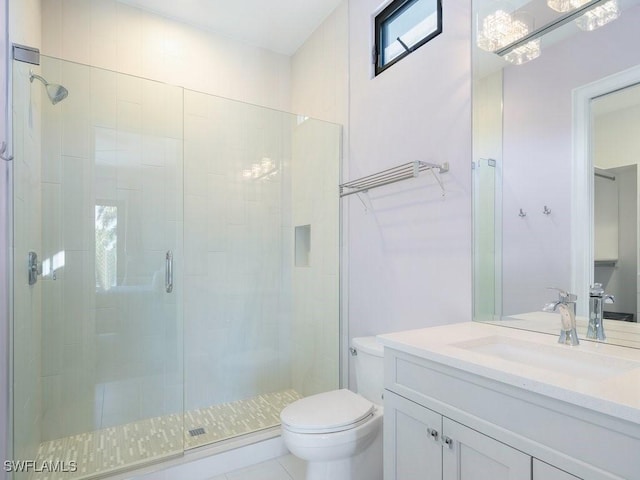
(597, 299)
(566, 305)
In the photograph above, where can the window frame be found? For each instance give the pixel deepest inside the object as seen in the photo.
(383, 16)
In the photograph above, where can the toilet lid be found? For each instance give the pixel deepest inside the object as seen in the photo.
(327, 412)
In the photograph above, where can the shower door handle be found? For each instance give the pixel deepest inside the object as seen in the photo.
(168, 278)
(34, 268)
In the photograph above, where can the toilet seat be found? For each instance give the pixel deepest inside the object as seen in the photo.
(327, 412)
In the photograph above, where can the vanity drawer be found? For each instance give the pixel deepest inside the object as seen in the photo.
(575, 439)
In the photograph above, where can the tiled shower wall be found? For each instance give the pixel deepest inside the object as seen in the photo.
(112, 356)
(237, 250)
(319, 87)
(315, 335)
(235, 231)
(256, 322)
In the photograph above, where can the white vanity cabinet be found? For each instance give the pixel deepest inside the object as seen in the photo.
(423, 445)
(470, 455)
(412, 440)
(544, 471)
(451, 420)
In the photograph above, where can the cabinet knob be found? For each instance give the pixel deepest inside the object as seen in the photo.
(447, 441)
(433, 434)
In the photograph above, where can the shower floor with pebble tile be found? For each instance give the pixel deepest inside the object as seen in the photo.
(125, 446)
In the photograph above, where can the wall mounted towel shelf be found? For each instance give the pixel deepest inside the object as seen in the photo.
(393, 175)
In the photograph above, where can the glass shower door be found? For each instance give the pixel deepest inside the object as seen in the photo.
(98, 178)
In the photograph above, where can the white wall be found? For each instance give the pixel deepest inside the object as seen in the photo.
(410, 257)
(537, 153)
(111, 35)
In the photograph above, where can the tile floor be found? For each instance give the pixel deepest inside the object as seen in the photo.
(283, 468)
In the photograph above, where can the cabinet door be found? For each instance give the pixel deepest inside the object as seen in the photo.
(544, 471)
(412, 448)
(469, 455)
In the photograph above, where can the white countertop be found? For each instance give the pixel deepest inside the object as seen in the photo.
(617, 395)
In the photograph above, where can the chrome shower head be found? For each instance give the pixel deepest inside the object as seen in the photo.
(55, 92)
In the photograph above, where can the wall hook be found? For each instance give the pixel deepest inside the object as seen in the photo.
(522, 214)
(3, 149)
(547, 210)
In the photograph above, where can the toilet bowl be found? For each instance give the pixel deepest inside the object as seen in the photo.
(339, 433)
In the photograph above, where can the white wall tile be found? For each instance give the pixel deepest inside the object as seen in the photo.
(154, 47)
(195, 234)
(103, 39)
(154, 64)
(76, 30)
(104, 95)
(74, 313)
(129, 41)
(52, 35)
(73, 221)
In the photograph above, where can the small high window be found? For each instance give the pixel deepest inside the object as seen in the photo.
(402, 27)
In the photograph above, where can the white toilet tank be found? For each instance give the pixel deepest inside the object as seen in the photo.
(369, 368)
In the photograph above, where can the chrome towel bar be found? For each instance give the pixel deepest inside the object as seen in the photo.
(393, 175)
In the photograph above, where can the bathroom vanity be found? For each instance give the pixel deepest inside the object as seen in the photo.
(480, 401)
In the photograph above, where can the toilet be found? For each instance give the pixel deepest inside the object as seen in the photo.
(339, 433)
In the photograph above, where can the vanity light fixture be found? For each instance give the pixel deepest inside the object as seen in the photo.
(501, 28)
(525, 53)
(563, 5)
(599, 16)
(582, 8)
(594, 18)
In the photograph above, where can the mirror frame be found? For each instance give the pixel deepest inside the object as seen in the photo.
(582, 213)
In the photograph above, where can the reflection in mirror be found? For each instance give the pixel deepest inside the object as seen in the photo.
(616, 150)
(543, 127)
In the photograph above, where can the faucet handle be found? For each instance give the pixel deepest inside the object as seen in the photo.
(596, 290)
(609, 298)
(564, 296)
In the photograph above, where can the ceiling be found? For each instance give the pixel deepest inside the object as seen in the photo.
(278, 25)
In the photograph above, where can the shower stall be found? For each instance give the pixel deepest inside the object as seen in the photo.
(175, 267)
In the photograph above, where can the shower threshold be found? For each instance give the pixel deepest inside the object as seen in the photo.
(116, 449)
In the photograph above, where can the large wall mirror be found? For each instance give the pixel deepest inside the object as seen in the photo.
(556, 152)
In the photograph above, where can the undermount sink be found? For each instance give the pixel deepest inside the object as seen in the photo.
(557, 359)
